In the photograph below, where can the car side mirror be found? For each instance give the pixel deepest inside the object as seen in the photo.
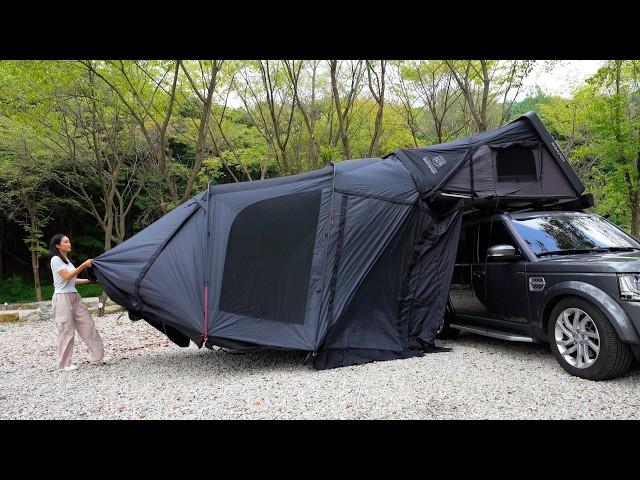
(502, 252)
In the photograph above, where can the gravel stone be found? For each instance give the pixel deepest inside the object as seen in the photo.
(151, 378)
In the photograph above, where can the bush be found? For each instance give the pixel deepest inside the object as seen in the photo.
(15, 290)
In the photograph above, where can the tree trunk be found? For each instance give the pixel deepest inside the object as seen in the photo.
(315, 151)
(35, 264)
(36, 275)
(341, 121)
(103, 297)
(1, 250)
(314, 148)
(483, 124)
(203, 128)
(103, 301)
(635, 218)
(632, 184)
(635, 206)
(378, 95)
(374, 148)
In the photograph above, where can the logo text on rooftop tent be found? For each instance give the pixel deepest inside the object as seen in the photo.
(557, 149)
(434, 163)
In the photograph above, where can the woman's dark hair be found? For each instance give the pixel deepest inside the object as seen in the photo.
(53, 250)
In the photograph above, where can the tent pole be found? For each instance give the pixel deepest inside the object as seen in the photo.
(471, 169)
(326, 254)
(205, 335)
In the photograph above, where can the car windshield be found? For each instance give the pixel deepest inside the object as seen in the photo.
(574, 233)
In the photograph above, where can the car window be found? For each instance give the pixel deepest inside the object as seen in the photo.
(465, 245)
(490, 234)
(568, 232)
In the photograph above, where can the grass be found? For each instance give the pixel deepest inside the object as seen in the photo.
(15, 290)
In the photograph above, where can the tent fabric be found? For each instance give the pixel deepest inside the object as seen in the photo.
(468, 166)
(351, 262)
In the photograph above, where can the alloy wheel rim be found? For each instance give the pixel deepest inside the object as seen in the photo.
(577, 338)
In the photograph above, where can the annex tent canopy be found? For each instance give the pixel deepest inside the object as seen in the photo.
(351, 262)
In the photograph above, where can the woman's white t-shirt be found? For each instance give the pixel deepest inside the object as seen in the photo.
(60, 285)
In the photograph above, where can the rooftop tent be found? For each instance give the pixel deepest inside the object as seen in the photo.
(351, 262)
(516, 165)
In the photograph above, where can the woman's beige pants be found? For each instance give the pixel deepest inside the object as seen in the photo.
(70, 314)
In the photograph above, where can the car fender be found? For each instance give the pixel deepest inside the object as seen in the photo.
(607, 305)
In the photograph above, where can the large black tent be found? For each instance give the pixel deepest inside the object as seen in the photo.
(351, 262)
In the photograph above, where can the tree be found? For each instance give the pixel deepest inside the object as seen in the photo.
(148, 91)
(432, 86)
(355, 84)
(93, 144)
(408, 101)
(484, 82)
(310, 110)
(270, 103)
(24, 192)
(376, 81)
(598, 130)
(204, 90)
(613, 117)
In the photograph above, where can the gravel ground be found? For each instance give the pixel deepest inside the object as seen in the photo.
(151, 378)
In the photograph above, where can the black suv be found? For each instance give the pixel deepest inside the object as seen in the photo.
(571, 279)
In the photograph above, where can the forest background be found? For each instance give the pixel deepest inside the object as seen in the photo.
(100, 149)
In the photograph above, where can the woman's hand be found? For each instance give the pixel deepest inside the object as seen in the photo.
(69, 275)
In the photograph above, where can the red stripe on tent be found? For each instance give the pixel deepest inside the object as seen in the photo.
(206, 313)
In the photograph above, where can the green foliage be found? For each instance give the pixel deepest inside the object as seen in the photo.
(61, 119)
(15, 290)
(212, 171)
(329, 153)
(25, 171)
(598, 130)
(534, 101)
(87, 241)
(184, 153)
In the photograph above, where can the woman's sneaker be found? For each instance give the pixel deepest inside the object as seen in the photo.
(70, 368)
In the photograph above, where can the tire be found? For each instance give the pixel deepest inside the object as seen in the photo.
(445, 332)
(575, 326)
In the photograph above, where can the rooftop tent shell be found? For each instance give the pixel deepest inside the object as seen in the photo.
(351, 262)
(516, 165)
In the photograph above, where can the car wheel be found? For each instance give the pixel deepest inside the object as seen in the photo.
(585, 343)
(445, 332)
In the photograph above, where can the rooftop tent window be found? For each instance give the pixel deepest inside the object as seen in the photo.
(516, 163)
(268, 260)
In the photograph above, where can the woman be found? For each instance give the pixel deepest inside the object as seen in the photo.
(69, 313)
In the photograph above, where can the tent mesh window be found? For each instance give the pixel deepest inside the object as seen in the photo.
(268, 260)
(516, 164)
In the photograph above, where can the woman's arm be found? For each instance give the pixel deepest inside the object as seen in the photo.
(82, 281)
(68, 275)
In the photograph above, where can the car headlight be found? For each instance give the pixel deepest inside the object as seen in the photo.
(629, 287)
